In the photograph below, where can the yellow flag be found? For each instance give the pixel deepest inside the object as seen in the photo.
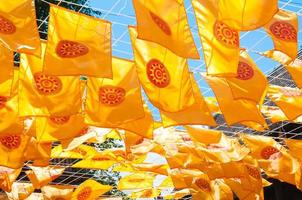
(250, 82)
(63, 192)
(164, 76)
(82, 151)
(146, 193)
(7, 71)
(41, 176)
(50, 129)
(198, 113)
(44, 95)
(152, 167)
(77, 44)
(109, 100)
(20, 191)
(289, 100)
(220, 43)
(19, 30)
(136, 181)
(178, 194)
(94, 163)
(8, 177)
(205, 136)
(169, 25)
(283, 29)
(90, 189)
(246, 110)
(246, 15)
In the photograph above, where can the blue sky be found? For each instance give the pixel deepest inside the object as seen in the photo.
(121, 14)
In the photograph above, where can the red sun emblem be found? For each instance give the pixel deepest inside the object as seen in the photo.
(226, 35)
(71, 49)
(203, 185)
(111, 95)
(47, 84)
(6, 26)
(270, 152)
(10, 141)
(157, 73)
(161, 23)
(59, 120)
(253, 171)
(244, 71)
(3, 101)
(84, 193)
(284, 31)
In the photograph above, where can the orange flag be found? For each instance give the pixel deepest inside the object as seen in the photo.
(44, 95)
(90, 189)
(80, 43)
(7, 72)
(109, 100)
(274, 113)
(250, 82)
(41, 176)
(289, 100)
(283, 29)
(38, 152)
(164, 76)
(246, 110)
(18, 27)
(220, 43)
(82, 151)
(8, 177)
(169, 25)
(63, 192)
(246, 15)
(205, 136)
(198, 113)
(20, 191)
(136, 181)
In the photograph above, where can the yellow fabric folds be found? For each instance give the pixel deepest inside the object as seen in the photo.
(220, 43)
(146, 193)
(283, 29)
(164, 76)
(7, 72)
(288, 99)
(63, 192)
(109, 100)
(165, 23)
(44, 95)
(19, 30)
(77, 45)
(136, 181)
(246, 15)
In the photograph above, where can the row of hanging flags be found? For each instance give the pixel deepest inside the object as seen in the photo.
(45, 101)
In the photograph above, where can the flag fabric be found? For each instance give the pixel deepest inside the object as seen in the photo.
(295, 70)
(77, 45)
(146, 193)
(220, 43)
(80, 152)
(247, 110)
(109, 100)
(94, 163)
(90, 189)
(250, 83)
(63, 192)
(20, 191)
(246, 15)
(38, 152)
(198, 113)
(289, 100)
(41, 94)
(19, 30)
(53, 129)
(164, 76)
(169, 25)
(283, 29)
(273, 113)
(178, 194)
(8, 177)
(152, 167)
(41, 176)
(205, 136)
(7, 72)
(136, 181)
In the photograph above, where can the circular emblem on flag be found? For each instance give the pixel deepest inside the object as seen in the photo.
(3, 101)
(226, 35)
(203, 185)
(291, 92)
(253, 171)
(161, 23)
(135, 180)
(10, 141)
(270, 152)
(59, 120)
(244, 71)
(6, 26)
(71, 49)
(111, 95)
(157, 73)
(139, 141)
(284, 31)
(84, 193)
(47, 84)
(96, 158)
